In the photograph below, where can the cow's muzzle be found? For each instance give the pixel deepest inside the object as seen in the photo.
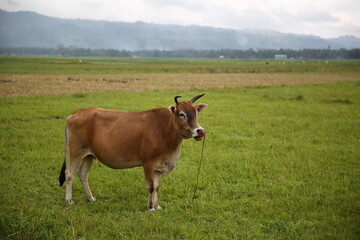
(200, 133)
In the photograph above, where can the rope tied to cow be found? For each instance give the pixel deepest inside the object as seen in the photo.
(199, 168)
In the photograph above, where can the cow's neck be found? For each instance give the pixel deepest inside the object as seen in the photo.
(174, 137)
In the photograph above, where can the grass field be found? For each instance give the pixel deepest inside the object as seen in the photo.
(282, 159)
(54, 76)
(77, 66)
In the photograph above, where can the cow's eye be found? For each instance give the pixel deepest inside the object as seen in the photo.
(182, 115)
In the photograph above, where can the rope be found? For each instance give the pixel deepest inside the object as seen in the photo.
(198, 174)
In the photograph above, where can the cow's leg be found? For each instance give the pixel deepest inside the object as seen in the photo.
(83, 174)
(75, 162)
(156, 184)
(152, 184)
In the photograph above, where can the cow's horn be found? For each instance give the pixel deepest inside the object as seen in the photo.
(196, 98)
(176, 101)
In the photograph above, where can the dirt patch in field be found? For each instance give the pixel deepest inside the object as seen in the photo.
(19, 85)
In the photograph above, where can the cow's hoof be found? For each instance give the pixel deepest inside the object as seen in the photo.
(70, 202)
(91, 199)
(154, 209)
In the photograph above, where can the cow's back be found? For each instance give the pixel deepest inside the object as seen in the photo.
(84, 124)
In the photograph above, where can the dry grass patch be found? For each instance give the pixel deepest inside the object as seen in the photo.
(18, 85)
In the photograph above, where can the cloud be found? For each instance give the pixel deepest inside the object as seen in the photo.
(93, 4)
(184, 4)
(11, 3)
(327, 18)
(316, 17)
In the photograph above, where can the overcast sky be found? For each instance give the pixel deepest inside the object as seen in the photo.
(324, 18)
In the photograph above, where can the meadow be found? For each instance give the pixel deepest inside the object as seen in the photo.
(281, 158)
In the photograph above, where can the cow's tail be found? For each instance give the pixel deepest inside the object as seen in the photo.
(62, 172)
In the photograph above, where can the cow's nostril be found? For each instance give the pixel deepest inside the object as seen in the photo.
(200, 132)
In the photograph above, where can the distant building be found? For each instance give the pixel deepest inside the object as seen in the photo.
(280, 56)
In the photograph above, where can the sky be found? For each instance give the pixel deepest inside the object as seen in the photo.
(323, 18)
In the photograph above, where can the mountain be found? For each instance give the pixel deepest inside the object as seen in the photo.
(346, 41)
(29, 29)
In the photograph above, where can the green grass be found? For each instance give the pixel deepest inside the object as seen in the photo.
(65, 65)
(280, 163)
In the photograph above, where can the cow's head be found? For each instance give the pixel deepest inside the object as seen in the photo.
(185, 118)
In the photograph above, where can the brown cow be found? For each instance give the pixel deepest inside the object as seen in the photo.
(120, 139)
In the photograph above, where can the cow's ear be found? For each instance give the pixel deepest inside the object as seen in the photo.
(172, 109)
(201, 107)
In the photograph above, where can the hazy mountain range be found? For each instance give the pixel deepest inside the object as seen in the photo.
(29, 29)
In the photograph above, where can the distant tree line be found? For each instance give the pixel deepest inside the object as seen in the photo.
(72, 51)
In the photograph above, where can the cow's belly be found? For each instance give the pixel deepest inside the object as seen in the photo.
(118, 162)
(116, 154)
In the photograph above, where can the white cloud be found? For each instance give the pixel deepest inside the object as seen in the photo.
(327, 18)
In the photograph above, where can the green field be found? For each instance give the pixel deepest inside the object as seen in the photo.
(76, 66)
(280, 162)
